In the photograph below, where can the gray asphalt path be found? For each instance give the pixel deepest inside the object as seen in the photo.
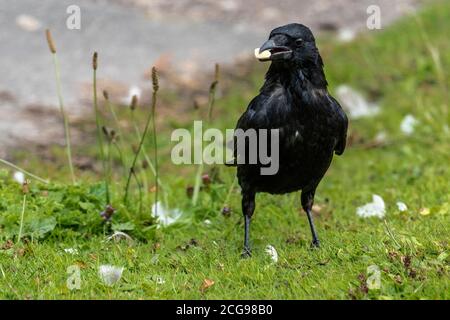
(128, 43)
(127, 40)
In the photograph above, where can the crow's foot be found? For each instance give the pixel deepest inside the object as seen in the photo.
(315, 244)
(247, 253)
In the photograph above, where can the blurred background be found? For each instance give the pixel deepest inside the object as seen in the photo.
(182, 38)
(384, 203)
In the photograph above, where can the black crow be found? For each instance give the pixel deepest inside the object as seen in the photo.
(312, 125)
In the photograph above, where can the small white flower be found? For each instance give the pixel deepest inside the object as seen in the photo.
(165, 216)
(19, 177)
(272, 252)
(110, 274)
(207, 222)
(401, 206)
(354, 103)
(71, 251)
(408, 123)
(376, 208)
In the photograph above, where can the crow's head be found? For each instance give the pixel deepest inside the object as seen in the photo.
(291, 44)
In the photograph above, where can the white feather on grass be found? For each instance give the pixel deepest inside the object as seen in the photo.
(401, 206)
(354, 103)
(272, 252)
(110, 274)
(376, 208)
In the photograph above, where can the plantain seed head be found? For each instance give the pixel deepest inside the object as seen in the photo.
(155, 80)
(51, 43)
(94, 61)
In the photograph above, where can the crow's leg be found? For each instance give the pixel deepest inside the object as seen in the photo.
(307, 203)
(248, 207)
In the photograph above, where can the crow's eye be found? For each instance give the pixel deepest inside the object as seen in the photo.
(299, 42)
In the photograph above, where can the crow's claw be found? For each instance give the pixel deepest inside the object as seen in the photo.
(246, 253)
(315, 244)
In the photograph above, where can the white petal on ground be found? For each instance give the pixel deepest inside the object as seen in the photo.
(401, 206)
(165, 216)
(272, 252)
(354, 103)
(376, 208)
(408, 123)
(110, 274)
(346, 35)
(71, 251)
(19, 177)
(28, 23)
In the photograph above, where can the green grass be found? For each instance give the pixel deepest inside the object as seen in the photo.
(395, 66)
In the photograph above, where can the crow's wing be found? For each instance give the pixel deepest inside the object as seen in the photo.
(343, 125)
(266, 112)
(250, 119)
(254, 116)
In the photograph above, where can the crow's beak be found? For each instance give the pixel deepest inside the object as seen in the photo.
(271, 51)
(268, 45)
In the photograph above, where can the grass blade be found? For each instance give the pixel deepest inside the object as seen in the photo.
(98, 125)
(21, 217)
(52, 48)
(211, 101)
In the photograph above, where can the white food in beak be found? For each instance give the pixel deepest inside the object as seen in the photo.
(263, 55)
